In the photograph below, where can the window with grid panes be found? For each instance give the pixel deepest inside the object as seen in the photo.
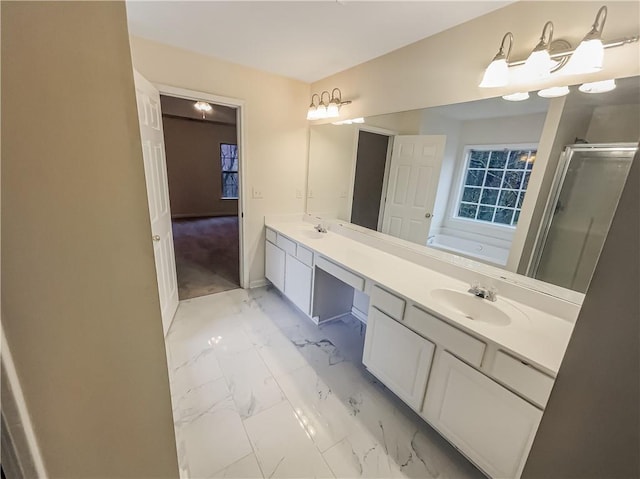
(494, 184)
(229, 162)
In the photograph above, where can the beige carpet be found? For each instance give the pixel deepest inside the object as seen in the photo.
(207, 255)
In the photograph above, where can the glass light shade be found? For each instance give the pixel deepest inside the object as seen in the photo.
(538, 65)
(496, 74)
(333, 110)
(598, 86)
(517, 96)
(588, 58)
(554, 92)
(203, 106)
(321, 111)
(311, 113)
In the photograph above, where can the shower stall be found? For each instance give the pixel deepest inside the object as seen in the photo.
(584, 196)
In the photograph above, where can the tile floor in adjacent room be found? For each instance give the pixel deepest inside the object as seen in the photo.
(258, 390)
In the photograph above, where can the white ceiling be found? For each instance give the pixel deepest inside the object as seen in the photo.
(306, 40)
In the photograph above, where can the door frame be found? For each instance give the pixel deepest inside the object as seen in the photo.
(356, 137)
(240, 107)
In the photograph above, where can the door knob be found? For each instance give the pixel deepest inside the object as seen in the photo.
(427, 215)
(155, 238)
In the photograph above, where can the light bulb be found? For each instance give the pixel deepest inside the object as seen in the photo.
(496, 74)
(598, 86)
(333, 110)
(588, 58)
(516, 96)
(538, 65)
(554, 92)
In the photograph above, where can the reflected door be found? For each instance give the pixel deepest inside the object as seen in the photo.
(413, 181)
(588, 186)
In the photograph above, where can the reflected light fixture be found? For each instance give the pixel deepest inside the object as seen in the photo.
(349, 121)
(589, 55)
(538, 65)
(326, 109)
(497, 73)
(554, 92)
(203, 107)
(598, 86)
(517, 96)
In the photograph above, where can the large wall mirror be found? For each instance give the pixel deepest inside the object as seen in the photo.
(528, 186)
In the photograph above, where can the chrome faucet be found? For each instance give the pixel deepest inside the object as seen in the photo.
(319, 228)
(482, 292)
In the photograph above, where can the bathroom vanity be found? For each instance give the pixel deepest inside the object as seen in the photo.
(479, 372)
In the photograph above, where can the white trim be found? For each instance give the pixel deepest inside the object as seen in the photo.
(21, 407)
(241, 134)
(259, 283)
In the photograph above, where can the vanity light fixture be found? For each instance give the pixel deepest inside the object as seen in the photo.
(554, 92)
(203, 107)
(497, 73)
(589, 55)
(329, 109)
(550, 56)
(538, 65)
(520, 96)
(598, 86)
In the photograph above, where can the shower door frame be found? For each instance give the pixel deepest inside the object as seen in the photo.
(556, 189)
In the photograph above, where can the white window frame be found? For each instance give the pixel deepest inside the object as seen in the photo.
(452, 222)
(222, 172)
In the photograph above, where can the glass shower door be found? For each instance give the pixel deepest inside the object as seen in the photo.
(587, 188)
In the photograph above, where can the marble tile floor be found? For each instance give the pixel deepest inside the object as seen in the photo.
(259, 391)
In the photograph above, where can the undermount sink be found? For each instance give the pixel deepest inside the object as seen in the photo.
(313, 234)
(476, 309)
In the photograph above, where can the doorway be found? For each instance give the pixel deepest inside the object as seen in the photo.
(202, 158)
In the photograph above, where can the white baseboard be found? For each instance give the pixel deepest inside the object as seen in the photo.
(259, 283)
(15, 391)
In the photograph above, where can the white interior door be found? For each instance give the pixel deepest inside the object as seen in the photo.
(155, 170)
(413, 181)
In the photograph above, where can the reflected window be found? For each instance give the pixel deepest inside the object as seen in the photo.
(229, 161)
(494, 183)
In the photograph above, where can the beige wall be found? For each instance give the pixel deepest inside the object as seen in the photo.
(275, 130)
(194, 169)
(447, 67)
(80, 305)
(590, 426)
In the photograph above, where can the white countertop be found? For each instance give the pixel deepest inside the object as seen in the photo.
(541, 338)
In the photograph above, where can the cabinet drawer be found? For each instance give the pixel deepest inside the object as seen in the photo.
(342, 274)
(304, 255)
(286, 244)
(452, 339)
(271, 236)
(523, 378)
(387, 302)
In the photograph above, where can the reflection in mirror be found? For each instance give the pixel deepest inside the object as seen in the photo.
(527, 186)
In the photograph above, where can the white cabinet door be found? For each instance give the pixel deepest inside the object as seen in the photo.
(297, 283)
(274, 265)
(398, 357)
(490, 425)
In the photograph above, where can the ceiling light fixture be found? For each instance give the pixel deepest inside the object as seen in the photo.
(517, 96)
(554, 92)
(328, 109)
(203, 107)
(589, 56)
(497, 73)
(550, 56)
(598, 86)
